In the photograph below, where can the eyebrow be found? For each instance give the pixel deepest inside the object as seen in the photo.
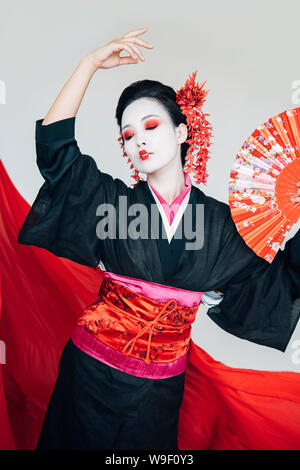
(145, 117)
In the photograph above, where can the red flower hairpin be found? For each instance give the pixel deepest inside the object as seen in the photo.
(190, 98)
(135, 175)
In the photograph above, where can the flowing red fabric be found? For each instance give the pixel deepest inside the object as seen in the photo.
(41, 298)
(226, 408)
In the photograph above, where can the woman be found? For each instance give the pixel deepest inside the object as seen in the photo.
(121, 374)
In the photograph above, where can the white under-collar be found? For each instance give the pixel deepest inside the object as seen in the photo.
(171, 229)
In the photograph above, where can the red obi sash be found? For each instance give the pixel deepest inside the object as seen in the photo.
(139, 326)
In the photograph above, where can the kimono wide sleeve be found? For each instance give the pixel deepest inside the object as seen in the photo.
(62, 218)
(260, 299)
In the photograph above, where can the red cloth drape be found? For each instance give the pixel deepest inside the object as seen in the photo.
(41, 297)
(228, 408)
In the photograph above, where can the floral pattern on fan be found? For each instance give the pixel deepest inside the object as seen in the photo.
(263, 179)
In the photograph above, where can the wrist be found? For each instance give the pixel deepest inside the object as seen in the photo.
(88, 64)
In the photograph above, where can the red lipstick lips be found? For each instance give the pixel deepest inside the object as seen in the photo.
(144, 154)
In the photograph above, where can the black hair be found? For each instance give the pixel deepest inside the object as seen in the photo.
(164, 94)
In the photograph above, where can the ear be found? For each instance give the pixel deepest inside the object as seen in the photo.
(181, 132)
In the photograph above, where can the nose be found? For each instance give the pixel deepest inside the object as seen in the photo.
(140, 140)
(141, 145)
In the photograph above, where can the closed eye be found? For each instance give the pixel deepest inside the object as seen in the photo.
(128, 137)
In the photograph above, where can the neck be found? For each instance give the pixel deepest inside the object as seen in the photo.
(169, 182)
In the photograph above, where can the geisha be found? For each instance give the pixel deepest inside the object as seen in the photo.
(121, 373)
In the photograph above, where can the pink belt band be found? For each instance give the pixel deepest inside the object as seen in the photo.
(158, 292)
(100, 351)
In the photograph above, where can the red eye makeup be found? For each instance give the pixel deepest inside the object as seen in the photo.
(150, 124)
(127, 134)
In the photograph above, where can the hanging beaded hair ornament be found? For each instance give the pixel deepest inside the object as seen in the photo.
(190, 98)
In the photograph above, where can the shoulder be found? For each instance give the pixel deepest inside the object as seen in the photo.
(87, 167)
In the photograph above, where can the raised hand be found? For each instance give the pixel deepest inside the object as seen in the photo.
(108, 56)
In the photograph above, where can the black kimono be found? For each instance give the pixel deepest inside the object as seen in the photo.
(257, 304)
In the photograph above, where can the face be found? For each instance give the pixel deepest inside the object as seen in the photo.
(146, 126)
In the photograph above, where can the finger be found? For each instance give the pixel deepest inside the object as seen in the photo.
(127, 48)
(128, 60)
(295, 195)
(141, 43)
(135, 32)
(137, 51)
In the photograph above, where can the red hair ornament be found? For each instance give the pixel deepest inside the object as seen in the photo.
(190, 98)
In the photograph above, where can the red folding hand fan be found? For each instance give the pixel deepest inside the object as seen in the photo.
(262, 181)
